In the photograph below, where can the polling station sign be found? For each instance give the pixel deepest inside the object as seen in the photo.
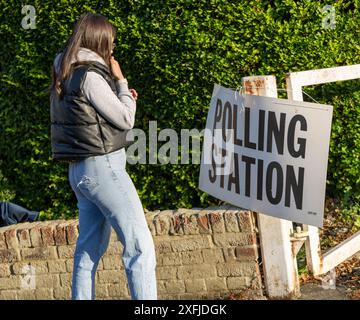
(267, 155)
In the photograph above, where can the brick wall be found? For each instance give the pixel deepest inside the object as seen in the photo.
(201, 254)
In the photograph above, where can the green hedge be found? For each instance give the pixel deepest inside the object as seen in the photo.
(172, 52)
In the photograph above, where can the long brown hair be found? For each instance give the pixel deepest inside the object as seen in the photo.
(92, 31)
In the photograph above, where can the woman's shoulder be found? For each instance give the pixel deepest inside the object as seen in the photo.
(96, 72)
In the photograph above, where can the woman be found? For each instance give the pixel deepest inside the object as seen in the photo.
(92, 110)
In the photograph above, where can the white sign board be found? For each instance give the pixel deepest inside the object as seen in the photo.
(267, 155)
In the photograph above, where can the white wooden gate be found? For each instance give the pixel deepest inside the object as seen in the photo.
(317, 262)
(279, 242)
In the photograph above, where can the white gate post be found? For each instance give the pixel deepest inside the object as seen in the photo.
(279, 262)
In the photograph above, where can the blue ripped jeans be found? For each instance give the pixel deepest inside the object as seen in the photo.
(107, 198)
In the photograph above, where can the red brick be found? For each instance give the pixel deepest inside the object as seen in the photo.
(217, 222)
(203, 223)
(60, 234)
(47, 234)
(11, 239)
(177, 221)
(245, 221)
(72, 233)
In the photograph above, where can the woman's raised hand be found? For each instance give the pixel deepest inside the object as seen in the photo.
(134, 93)
(115, 69)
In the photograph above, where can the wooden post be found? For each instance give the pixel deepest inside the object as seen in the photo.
(279, 263)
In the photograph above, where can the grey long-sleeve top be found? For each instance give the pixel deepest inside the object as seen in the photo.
(118, 109)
